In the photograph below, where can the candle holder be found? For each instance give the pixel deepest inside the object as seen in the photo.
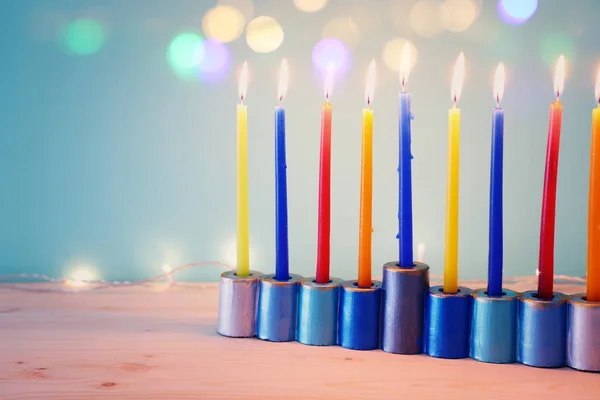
(403, 297)
(318, 312)
(583, 333)
(541, 332)
(237, 304)
(494, 327)
(359, 316)
(277, 305)
(447, 323)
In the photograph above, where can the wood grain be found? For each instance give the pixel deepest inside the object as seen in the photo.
(152, 343)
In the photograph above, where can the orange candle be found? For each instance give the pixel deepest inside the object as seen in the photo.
(593, 249)
(366, 187)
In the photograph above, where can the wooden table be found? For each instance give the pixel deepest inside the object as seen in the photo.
(153, 343)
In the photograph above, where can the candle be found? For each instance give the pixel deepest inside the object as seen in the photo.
(366, 186)
(593, 249)
(405, 221)
(324, 222)
(495, 256)
(546, 259)
(243, 240)
(282, 267)
(451, 248)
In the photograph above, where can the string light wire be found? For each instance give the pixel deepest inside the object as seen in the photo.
(94, 285)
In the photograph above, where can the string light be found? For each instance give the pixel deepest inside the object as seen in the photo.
(93, 285)
(96, 284)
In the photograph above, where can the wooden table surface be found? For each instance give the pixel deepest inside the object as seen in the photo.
(153, 343)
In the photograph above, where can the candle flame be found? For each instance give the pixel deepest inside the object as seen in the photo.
(243, 86)
(370, 88)
(405, 64)
(499, 84)
(283, 79)
(458, 77)
(598, 87)
(329, 80)
(559, 77)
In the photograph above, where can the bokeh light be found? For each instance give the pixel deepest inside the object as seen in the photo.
(426, 18)
(184, 54)
(554, 45)
(310, 6)
(264, 34)
(458, 15)
(516, 12)
(392, 52)
(81, 274)
(83, 36)
(224, 23)
(213, 61)
(342, 28)
(229, 253)
(331, 51)
(246, 7)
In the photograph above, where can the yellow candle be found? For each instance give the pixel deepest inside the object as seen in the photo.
(366, 187)
(451, 248)
(593, 250)
(243, 235)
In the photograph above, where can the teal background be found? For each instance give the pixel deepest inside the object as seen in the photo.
(111, 161)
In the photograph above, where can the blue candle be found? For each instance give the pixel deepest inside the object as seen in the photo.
(282, 272)
(405, 220)
(282, 263)
(495, 257)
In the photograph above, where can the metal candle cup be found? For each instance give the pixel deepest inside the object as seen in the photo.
(318, 312)
(403, 307)
(277, 305)
(494, 327)
(541, 332)
(359, 316)
(237, 304)
(447, 323)
(583, 334)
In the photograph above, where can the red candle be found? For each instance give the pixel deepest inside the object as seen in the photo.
(546, 260)
(324, 223)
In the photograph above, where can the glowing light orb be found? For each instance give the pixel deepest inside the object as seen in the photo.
(331, 52)
(184, 54)
(264, 34)
(426, 18)
(83, 36)
(458, 15)
(310, 6)
(214, 62)
(229, 253)
(343, 28)
(224, 23)
(80, 275)
(516, 12)
(392, 52)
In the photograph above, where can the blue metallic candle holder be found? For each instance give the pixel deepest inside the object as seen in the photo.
(237, 304)
(403, 302)
(447, 323)
(318, 312)
(358, 323)
(541, 332)
(494, 327)
(277, 305)
(583, 334)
